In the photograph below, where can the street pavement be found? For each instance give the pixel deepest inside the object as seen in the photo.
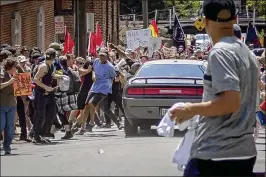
(105, 152)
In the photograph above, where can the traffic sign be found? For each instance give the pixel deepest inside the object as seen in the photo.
(199, 24)
(59, 24)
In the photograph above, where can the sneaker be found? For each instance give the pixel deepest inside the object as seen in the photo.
(107, 126)
(81, 132)
(49, 135)
(24, 138)
(46, 140)
(31, 135)
(68, 135)
(74, 130)
(120, 126)
(89, 126)
(38, 140)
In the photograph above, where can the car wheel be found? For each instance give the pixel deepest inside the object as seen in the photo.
(130, 129)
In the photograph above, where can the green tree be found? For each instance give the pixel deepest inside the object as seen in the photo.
(260, 6)
(184, 8)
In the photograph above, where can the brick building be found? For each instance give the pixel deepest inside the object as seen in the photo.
(31, 22)
(27, 22)
(105, 12)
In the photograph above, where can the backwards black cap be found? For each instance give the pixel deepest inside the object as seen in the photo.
(211, 9)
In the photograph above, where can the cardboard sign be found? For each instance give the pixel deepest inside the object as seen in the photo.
(22, 86)
(154, 44)
(138, 38)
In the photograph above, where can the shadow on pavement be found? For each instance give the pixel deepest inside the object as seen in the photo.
(153, 133)
(103, 130)
(99, 135)
(15, 154)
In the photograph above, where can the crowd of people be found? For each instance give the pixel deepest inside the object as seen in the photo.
(72, 94)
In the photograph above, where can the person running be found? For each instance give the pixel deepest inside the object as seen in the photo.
(224, 143)
(103, 75)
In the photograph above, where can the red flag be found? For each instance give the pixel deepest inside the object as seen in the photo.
(99, 38)
(92, 44)
(69, 43)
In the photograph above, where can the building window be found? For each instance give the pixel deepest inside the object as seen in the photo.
(16, 28)
(40, 29)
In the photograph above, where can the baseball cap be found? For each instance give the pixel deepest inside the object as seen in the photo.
(237, 31)
(103, 52)
(50, 52)
(55, 46)
(211, 9)
(22, 59)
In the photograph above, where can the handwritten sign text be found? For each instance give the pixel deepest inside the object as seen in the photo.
(22, 86)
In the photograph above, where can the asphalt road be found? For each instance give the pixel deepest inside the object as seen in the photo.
(147, 155)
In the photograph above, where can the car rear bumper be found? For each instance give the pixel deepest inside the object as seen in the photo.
(149, 108)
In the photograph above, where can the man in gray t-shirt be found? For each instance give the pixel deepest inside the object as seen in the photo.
(224, 143)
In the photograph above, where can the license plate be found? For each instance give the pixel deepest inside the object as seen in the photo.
(163, 111)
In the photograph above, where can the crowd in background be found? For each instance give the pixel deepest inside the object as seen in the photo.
(74, 94)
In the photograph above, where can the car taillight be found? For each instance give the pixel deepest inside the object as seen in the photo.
(135, 91)
(165, 91)
(200, 91)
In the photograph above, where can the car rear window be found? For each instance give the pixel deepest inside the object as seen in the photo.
(164, 70)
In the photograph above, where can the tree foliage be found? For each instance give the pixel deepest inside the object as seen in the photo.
(135, 6)
(184, 8)
(260, 6)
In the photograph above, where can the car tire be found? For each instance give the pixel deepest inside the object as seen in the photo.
(130, 129)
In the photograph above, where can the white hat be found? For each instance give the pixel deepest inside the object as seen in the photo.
(103, 52)
(22, 59)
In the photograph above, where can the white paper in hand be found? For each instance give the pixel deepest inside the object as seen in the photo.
(166, 127)
(182, 152)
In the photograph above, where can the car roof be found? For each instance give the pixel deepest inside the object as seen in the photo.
(174, 61)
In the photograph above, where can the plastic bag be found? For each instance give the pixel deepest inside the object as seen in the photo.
(64, 83)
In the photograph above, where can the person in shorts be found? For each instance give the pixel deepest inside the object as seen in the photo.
(103, 75)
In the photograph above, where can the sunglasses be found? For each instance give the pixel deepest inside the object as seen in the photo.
(80, 63)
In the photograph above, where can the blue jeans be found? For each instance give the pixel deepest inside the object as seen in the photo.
(7, 125)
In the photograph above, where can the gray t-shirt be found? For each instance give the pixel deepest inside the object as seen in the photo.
(231, 66)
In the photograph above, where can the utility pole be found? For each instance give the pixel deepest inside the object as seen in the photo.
(82, 28)
(145, 13)
(76, 27)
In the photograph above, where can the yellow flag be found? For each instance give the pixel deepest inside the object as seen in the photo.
(153, 33)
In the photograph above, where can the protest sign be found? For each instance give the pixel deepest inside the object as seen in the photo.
(138, 38)
(22, 86)
(154, 44)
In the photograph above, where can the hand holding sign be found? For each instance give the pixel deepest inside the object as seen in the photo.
(12, 80)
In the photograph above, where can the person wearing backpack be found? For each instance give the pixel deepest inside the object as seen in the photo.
(66, 97)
